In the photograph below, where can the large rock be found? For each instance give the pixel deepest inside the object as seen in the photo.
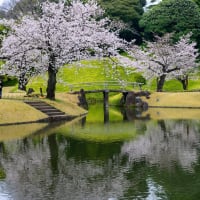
(130, 99)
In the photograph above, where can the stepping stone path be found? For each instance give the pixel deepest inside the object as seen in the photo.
(53, 113)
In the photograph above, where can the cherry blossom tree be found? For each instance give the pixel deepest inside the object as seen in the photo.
(63, 34)
(163, 59)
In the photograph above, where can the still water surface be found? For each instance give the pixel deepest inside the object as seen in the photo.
(93, 159)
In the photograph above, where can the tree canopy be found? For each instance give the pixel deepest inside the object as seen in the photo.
(178, 16)
(163, 59)
(61, 35)
(197, 2)
(128, 11)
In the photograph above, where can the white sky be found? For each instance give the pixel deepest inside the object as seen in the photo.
(1, 1)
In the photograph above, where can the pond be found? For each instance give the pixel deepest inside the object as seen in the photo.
(114, 156)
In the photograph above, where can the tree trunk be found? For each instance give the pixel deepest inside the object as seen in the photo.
(22, 82)
(184, 82)
(51, 86)
(160, 83)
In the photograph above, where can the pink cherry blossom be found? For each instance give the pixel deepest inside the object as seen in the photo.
(162, 59)
(61, 35)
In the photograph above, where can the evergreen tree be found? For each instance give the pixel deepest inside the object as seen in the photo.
(197, 2)
(178, 16)
(128, 11)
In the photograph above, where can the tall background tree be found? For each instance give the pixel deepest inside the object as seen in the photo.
(61, 35)
(128, 11)
(177, 16)
(197, 2)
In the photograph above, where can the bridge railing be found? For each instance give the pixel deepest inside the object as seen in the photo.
(105, 85)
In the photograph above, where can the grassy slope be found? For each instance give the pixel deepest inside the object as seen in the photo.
(91, 71)
(97, 70)
(14, 110)
(174, 85)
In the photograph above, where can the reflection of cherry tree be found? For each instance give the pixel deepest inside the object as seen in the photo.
(52, 169)
(30, 174)
(168, 143)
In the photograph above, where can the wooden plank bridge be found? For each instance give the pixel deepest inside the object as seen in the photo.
(132, 89)
(100, 86)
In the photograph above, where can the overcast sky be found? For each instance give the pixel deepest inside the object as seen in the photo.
(1, 1)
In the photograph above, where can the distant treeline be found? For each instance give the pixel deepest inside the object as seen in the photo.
(178, 16)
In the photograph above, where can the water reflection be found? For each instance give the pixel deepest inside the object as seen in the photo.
(20, 131)
(130, 114)
(166, 143)
(87, 160)
(53, 148)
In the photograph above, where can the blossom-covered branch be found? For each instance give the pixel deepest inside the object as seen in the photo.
(61, 35)
(163, 59)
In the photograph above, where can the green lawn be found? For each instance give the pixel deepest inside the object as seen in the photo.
(174, 85)
(102, 70)
(89, 71)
